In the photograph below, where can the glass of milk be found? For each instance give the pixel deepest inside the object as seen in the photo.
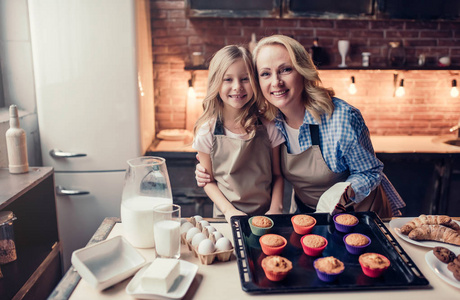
(146, 186)
(166, 230)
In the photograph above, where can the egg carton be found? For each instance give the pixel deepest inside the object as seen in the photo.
(207, 259)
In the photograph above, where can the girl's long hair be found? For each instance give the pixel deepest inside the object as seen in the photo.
(213, 104)
(317, 99)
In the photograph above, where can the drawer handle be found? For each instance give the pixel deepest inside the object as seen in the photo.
(62, 191)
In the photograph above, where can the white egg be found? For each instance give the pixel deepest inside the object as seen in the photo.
(206, 246)
(198, 218)
(185, 227)
(203, 224)
(217, 235)
(210, 229)
(191, 233)
(223, 244)
(197, 238)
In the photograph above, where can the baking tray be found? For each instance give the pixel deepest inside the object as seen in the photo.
(402, 273)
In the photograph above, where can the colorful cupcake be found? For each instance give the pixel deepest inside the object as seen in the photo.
(260, 225)
(276, 267)
(345, 222)
(373, 264)
(328, 268)
(303, 224)
(356, 243)
(272, 244)
(313, 244)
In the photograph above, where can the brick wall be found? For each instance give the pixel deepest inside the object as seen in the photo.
(426, 109)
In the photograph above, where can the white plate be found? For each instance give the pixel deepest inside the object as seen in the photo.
(177, 291)
(108, 262)
(396, 224)
(440, 268)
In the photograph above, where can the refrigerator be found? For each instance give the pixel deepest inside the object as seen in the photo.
(92, 63)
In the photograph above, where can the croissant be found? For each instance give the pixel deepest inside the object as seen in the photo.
(435, 233)
(426, 220)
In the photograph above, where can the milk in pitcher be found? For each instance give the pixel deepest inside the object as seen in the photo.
(137, 219)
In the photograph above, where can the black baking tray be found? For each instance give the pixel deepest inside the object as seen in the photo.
(402, 273)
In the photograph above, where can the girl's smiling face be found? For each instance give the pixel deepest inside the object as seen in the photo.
(279, 81)
(236, 89)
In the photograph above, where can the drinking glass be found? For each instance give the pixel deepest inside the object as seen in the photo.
(344, 46)
(166, 230)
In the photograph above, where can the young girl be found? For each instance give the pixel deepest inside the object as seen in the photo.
(235, 144)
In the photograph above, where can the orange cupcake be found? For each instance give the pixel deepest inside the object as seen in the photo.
(272, 244)
(373, 264)
(276, 267)
(313, 244)
(303, 224)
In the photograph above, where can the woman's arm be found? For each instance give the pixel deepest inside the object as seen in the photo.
(213, 191)
(276, 205)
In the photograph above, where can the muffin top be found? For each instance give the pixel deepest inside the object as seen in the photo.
(356, 239)
(346, 219)
(261, 221)
(314, 241)
(304, 220)
(276, 264)
(329, 265)
(374, 261)
(272, 240)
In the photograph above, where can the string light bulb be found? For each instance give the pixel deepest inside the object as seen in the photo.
(352, 88)
(454, 89)
(400, 90)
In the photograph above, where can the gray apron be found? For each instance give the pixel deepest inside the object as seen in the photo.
(311, 177)
(243, 169)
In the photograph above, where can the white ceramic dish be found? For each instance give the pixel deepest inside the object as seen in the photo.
(177, 291)
(108, 262)
(396, 224)
(440, 268)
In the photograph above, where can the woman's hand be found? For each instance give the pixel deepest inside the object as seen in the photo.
(202, 178)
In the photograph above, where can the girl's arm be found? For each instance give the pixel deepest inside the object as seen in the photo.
(276, 206)
(213, 191)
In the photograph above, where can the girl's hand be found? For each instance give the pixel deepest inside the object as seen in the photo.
(202, 178)
(233, 212)
(274, 211)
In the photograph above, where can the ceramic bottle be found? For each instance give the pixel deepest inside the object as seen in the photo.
(16, 144)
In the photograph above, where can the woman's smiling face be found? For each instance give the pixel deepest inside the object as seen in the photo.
(279, 81)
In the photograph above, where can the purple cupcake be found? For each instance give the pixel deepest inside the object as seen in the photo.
(356, 243)
(328, 268)
(345, 222)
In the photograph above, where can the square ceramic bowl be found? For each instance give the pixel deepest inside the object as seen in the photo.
(108, 262)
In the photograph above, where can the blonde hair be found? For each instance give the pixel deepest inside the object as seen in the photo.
(213, 104)
(317, 99)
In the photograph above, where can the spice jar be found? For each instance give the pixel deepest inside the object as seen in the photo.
(7, 244)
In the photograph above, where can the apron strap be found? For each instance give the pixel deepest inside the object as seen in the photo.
(314, 134)
(219, 129)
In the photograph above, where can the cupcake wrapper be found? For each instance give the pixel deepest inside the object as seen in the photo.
(259, 231)
(343, 228)
(326, 277)
(356, 249)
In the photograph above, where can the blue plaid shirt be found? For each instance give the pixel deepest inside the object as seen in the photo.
(346, 146)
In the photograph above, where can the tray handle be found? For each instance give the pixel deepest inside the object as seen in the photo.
(242, 260)
(407, 260)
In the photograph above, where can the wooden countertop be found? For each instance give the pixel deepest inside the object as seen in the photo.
(208, 281)
(382, 144)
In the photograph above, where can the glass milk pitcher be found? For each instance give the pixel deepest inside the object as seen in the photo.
(146, 185)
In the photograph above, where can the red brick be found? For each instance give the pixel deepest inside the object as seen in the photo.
(421, 25)
(316, 23)
(166, 4)
(387, 24)
(436, 34)
(244, 22)
(181, 40)
(279, 23)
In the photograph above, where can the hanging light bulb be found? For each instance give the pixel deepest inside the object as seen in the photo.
(191, 95)
(400, 90)
(352, 88)
(454, 89)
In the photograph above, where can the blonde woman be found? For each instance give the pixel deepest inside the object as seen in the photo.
(237, 146)
(327, 140)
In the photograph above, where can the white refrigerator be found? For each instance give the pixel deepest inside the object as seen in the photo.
(94, 87)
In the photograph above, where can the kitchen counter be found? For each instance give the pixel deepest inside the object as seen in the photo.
(220, 280)
(382, 144)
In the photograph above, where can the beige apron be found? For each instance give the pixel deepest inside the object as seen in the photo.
(311, 177)
(243, 169)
